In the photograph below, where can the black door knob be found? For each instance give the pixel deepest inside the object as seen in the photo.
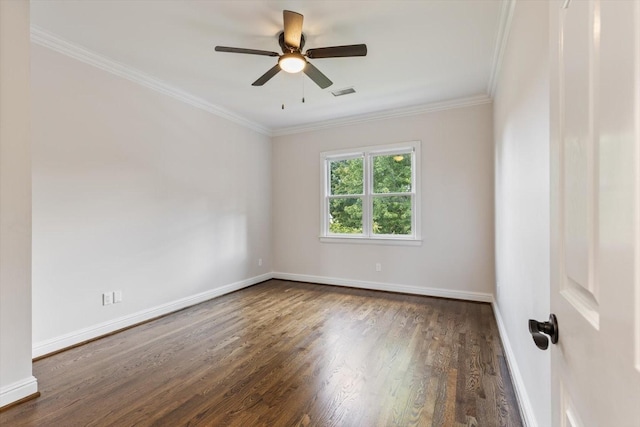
(550, 328)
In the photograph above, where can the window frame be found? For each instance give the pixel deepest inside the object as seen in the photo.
(367, 154)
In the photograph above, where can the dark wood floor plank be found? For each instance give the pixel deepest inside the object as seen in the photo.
(286, 354)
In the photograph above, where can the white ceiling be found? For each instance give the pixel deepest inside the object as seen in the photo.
(420, 52)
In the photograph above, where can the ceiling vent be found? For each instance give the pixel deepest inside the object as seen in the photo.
(345, 91)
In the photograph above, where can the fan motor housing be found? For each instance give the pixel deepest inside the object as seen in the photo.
(284, 47)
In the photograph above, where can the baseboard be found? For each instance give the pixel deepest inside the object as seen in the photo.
(62, 342)
(18, 390)
(74, 338)
(526, 409)
(389, 287)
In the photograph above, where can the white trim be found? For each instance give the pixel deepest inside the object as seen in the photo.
(637, 184)
(502, 37)
(524, 402)
(388, 287)
(387, 114)
(64, 341)
(18, 390)
(355, 152)
(76, 337)
(57, 44)
(361, 240)
(51, 41)
(367, 154)
(58, 343)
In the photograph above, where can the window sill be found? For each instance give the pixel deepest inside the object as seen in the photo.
(371, 240)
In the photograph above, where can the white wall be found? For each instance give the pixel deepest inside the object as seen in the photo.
(521, 128)
(136, 191)
(16, 381)
(457, 255)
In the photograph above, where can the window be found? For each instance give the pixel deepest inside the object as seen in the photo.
(370, 194)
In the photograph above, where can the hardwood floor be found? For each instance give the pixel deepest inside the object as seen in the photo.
(286, 354)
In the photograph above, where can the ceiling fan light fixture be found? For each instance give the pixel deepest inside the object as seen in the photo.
(292, 62)
(292, 41)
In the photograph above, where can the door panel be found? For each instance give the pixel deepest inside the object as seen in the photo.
(595, 138)
(578, 143)
(570, 417)
(578, 136)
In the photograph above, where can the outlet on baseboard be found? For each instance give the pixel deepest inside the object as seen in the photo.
(107, 298)
(259, 262)
(378, 266)
(117, 297)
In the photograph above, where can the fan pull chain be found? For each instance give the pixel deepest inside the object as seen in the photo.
(303, 98)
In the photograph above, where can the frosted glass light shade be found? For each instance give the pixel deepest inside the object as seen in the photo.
(292, 62)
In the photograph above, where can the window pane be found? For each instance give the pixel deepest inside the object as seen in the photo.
(345, 215)
(346, 176)
(392, 215)
(392, 173)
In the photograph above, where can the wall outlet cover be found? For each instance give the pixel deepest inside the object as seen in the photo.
(107, 298)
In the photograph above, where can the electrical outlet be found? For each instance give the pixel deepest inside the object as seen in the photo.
(117, 297)
(378, 266)
(259, 262)
(107, 298)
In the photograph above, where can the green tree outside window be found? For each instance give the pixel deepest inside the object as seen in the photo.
(391, 195)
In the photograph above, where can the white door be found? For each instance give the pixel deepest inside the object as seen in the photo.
(595, 155)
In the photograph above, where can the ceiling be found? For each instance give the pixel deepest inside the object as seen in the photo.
(420, 52)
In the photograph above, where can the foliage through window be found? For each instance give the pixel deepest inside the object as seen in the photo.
(371, 193)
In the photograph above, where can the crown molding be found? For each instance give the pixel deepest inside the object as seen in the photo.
(502, 37)
(387, 114)
(57, 44)
(51, 41)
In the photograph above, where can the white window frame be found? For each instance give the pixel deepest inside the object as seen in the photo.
(367, 154)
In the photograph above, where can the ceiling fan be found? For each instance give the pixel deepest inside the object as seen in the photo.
(292, 60)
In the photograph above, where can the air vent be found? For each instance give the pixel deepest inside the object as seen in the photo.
(345, 91)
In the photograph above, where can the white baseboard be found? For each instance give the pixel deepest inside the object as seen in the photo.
(29, 386)
(18, 390)
(389, 287)
(76, 337)
(518, 383)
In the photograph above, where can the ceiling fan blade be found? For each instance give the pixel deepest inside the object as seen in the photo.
(317, 76)
(337, 51)
(292, 28)
(248, 51)
(267, 76)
